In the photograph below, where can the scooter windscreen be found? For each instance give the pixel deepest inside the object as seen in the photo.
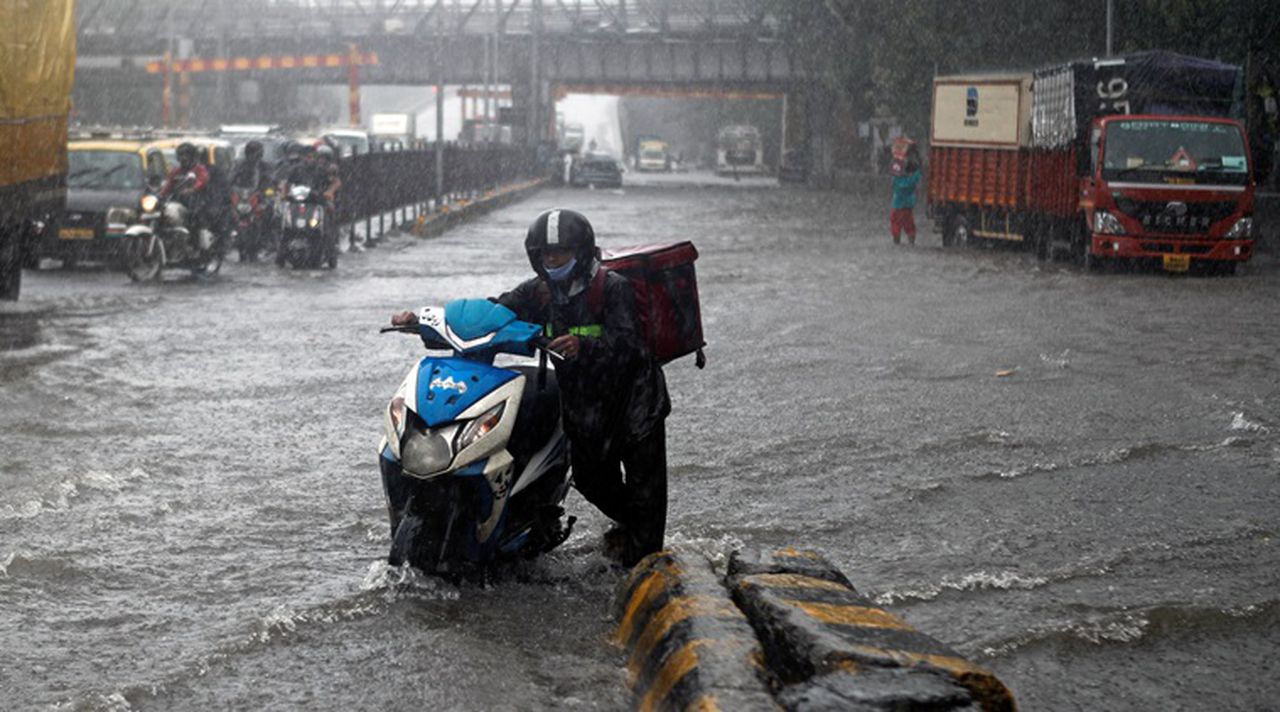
(476, 326)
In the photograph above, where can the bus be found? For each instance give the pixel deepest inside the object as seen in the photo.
(739, 150)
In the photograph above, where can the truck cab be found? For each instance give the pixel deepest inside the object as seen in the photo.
(653, 156)
(1169, 188)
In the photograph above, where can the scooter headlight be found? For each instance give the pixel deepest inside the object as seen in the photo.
(475, 430)
(426, 451)
(149, 203)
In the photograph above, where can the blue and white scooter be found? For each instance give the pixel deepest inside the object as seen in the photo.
(475, 462)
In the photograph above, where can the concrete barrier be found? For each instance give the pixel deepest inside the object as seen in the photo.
(830, 648)
(689, 647)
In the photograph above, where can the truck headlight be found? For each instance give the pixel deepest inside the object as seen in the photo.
(1106, 224)
(479, 427)
(1242, 230)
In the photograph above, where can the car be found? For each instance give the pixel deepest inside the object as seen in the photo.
(596, 170)
(347, 142)
(106, 179)
(271, 138)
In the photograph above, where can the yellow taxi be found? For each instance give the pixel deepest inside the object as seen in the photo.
(106, 178)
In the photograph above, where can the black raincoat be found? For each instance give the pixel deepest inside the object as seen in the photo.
(614, 393)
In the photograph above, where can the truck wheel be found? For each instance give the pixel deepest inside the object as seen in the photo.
(958, 230)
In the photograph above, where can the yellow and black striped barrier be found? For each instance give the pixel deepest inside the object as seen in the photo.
(690, 647)
(830, 648)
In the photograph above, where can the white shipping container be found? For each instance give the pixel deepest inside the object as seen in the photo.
(982, 111)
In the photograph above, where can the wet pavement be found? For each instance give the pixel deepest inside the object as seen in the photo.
(1072, 478)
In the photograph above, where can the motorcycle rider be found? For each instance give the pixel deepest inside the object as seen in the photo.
(219, 203)
(612, 390)
(192, 193)
(255, 174)
(252, 171)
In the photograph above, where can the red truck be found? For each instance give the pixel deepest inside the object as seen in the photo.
(1139, 157)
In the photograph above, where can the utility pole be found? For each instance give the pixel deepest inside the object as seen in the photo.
(1110, 14)
(439, 102)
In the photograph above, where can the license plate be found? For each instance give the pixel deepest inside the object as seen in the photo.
(75, 233)
(1177, 263)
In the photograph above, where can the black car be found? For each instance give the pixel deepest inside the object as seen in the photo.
(596, 170)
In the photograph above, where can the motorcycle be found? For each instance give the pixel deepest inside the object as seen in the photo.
(474, 460)
(162, 239)
(254, 216)
(304, 237)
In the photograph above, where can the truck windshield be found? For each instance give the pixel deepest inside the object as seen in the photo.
(105, 170)
(1174, 152)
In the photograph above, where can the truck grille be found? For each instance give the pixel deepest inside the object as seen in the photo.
(1176, 217)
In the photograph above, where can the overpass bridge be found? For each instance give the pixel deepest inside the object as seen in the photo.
(541, 49)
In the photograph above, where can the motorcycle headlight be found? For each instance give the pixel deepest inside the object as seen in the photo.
(1242, 230)
(1106, 223)
(426, 451)
(149, 203)
(315, 221)
(475, 430)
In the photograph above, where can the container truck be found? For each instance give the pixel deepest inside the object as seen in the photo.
(37, 68)
(1141, 157)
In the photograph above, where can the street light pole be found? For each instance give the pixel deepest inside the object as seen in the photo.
(1110, 13)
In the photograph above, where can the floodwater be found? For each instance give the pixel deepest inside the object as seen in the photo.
(1072, 478)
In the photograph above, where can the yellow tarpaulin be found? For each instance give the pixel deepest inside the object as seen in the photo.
(37, 70)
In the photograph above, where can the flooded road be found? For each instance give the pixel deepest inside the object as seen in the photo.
(191, 515)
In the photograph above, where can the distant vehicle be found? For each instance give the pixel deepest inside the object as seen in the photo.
(739, 150)
(654, 155)
(348, 142)
(37, 69)
(596, 170)
(393, 128)
(106, 181)
(572, 137)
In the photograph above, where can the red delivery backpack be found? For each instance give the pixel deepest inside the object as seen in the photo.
(666, 290)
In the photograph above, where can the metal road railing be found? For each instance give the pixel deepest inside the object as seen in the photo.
(376, 185)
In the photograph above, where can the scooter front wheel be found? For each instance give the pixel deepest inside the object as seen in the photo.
(144, 257)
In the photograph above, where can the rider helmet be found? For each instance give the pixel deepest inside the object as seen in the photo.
(187, 154)
(292, 149)
(324, 151)
(253, 150)
(562, 228)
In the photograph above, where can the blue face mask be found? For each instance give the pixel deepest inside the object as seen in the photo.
(561, 273)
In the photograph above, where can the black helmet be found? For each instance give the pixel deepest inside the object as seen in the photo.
(561, 228)
(187, 153)
(293, 148)
(253, 150)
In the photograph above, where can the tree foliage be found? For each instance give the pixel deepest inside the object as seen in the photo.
(883, 55)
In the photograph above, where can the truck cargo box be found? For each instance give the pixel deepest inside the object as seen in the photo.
(37, 68)
(982, 111)
(1067, 98)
